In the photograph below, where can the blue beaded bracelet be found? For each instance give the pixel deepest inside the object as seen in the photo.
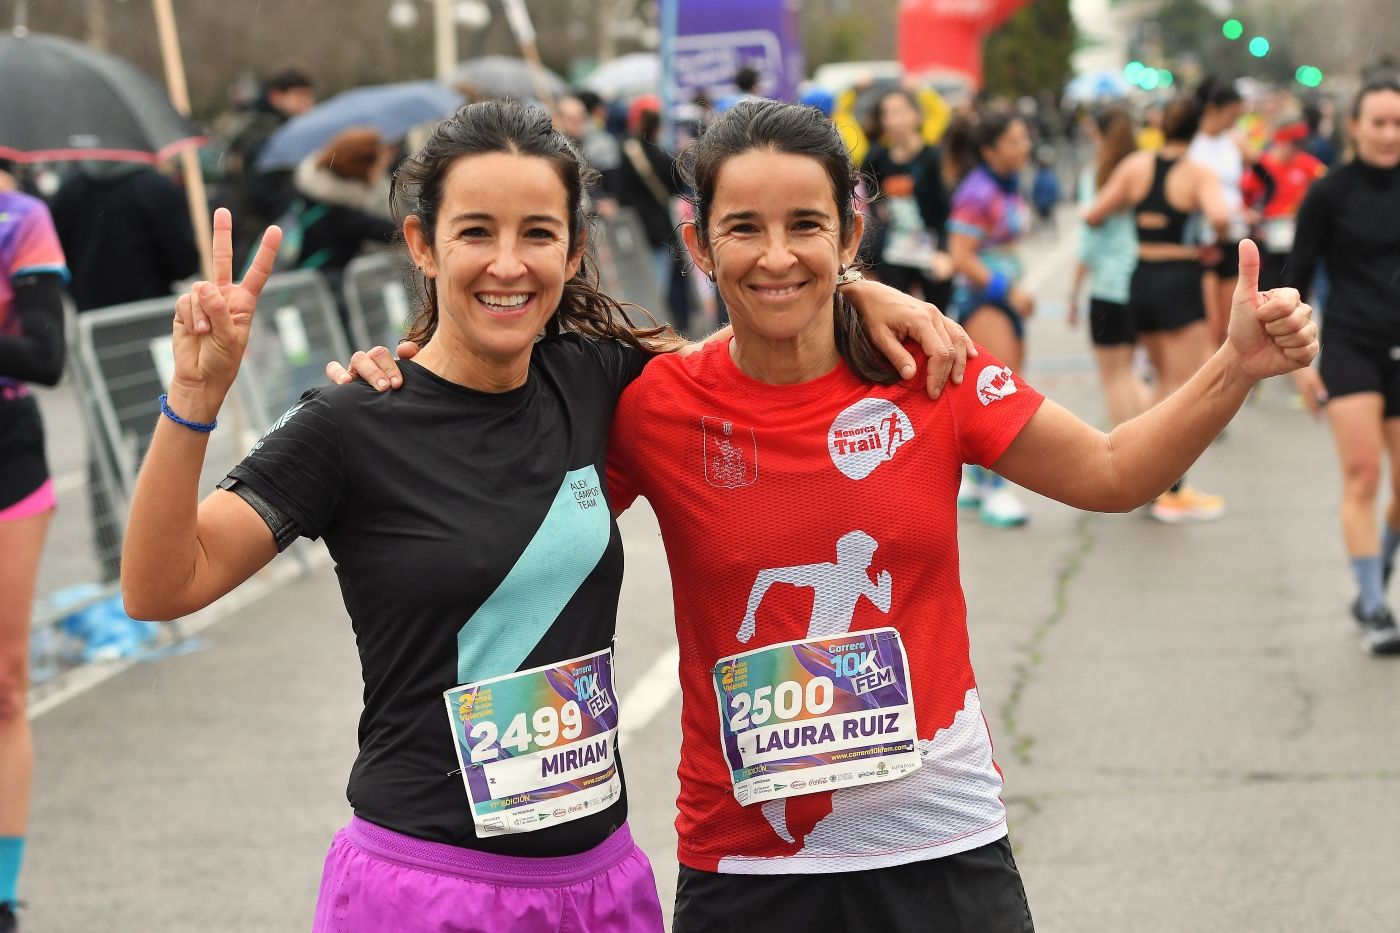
(192, 425)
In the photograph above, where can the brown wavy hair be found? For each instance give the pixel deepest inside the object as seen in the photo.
(1116, 143)
(509, 127)
(788, 128)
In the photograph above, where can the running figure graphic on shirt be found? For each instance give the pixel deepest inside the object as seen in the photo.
(838, 590)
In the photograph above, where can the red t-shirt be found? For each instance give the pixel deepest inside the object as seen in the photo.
(744, 477)
(1292, 179)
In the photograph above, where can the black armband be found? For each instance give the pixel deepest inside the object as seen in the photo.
(283, 527)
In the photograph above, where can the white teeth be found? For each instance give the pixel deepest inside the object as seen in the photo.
(503, 301)
(779, 292)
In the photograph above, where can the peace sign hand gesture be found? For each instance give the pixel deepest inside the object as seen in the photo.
(1271, 332)
(213, 319)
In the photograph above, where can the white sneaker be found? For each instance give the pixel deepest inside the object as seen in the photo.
(969, 491)
(1001, 508)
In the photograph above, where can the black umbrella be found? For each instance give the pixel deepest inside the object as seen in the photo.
(61, 100)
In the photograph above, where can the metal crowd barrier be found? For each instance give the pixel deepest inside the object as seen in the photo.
(378, 301)
(120, 359)
(623, 255)
(296, 331)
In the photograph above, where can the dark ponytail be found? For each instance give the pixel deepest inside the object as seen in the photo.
(1216, 92)
(1181, 118)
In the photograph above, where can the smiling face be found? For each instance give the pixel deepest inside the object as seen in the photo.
(499, 256)
(775, 247)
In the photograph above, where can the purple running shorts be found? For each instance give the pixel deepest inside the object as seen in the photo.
(377, 880)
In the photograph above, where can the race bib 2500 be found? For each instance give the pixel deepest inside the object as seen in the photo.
(816, 715)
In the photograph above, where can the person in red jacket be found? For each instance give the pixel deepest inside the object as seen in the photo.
(1281, 178)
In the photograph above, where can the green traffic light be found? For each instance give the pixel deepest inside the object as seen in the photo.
(1232, 29)
(1259, 47)
(1132, 72)
(1149, 80)
(1164, 78)
(1309, 76)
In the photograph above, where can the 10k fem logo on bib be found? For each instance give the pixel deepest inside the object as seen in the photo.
(538, 747)
(867, 434)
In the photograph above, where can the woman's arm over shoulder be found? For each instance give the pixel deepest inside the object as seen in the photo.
(1117, 193)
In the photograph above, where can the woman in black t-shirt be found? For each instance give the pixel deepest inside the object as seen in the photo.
(907, 247)
(486, 742)
(1350, 221)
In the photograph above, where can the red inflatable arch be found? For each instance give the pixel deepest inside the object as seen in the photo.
(947, 35)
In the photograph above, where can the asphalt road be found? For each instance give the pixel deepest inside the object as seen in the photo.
(1191, 737)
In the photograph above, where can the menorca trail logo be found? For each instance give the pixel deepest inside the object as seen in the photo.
(867, 434)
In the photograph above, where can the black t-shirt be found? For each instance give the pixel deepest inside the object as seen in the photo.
(1351, 221)
(448, 511)
(920, 178)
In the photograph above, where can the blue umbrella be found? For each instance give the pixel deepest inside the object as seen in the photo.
(392, 109)
(1096, 86)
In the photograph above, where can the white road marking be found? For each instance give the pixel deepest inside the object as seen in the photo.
(67, 482)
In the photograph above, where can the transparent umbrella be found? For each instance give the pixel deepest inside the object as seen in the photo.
(505, 76)
(628, 76)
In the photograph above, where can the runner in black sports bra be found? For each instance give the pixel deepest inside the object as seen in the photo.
(1166, 293)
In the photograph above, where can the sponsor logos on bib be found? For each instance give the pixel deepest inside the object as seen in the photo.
(866, 435)
(995, 383)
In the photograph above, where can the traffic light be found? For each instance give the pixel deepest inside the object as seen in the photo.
(1232, 29)
(1133, 71)
(1259, 47)
(1164, 77)
(1309, 76)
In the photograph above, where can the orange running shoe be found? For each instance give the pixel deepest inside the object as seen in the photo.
(1187, 505)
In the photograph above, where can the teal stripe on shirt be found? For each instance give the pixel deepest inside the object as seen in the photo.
(565, 550)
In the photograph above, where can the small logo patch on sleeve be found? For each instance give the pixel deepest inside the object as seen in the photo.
(995, 383)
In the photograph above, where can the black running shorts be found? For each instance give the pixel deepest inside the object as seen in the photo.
(1166, 296)
(978, 891)
(23, 468)
(1110, 325)
(1228, 265)
(1352, 363)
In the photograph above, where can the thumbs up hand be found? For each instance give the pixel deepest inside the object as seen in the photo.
(1272, 332)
